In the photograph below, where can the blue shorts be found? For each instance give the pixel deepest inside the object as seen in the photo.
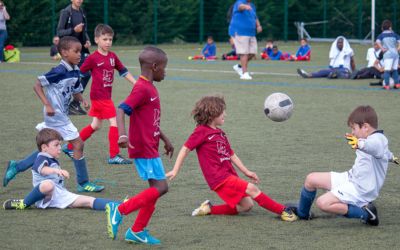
(150, 168)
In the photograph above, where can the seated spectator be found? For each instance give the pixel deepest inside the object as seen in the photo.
(374, 67)
(232, 54)
(277, 55)
(208, 52)
(303, 53)
(267, 50)
(53, 50)
(341, 63)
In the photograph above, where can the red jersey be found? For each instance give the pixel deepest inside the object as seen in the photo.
(213, 152)
(144, 126)
(102, 70)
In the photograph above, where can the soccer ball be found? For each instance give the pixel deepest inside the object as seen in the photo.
(278, 107)
(391, 82)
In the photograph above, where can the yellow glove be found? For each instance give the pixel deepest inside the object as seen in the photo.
(352, 141)
(396, 160)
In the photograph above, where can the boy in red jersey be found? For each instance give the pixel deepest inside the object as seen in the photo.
(101, 64)
(216, 157)
(143, 107)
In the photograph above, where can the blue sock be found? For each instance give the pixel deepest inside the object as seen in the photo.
(81, 171)
(27, 163)
(306, 200)
(100, 203)
(34, 196)
(356, 212)
(386, 77)
(395, 76)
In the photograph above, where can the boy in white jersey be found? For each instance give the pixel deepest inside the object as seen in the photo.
(351, 193)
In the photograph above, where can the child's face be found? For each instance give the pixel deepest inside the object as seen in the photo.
(159, 70)
(73, 54)
(210, 40)
(104, 42)
(53, 148)
(220, 120)
(56, 40)
(269, 45)
(303, 42)
(359, 131)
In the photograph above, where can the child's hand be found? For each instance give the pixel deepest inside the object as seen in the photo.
(169, 149)
(253, 176)
(63, 173)
(171, 175)
(352, 141)
(86, 104)
(49, 110)
(123, 142)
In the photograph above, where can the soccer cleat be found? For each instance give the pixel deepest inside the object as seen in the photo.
(141, 237)
(238, 69)
(114, 218)
(289, 215)
(68, 152)
(397, 86)
(16, 204)
(119, 160)
(76, 109)
(294, 207)
(372, 218)
(11, 172)
(89, 187)
(204, 209)
(387, 87)
(246, 76)
(303, 73)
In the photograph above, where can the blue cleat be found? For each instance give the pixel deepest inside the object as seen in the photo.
(11, 172)
(89, 187)
(114, 218)
(141, 237)
(67, 152)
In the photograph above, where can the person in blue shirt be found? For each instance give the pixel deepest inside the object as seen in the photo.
(243, 27)
(209, 49)
(267, 50)
(303, 53)
(275, 54)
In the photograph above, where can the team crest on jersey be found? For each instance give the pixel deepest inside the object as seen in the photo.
(156, 122)
(112, 62)
(107, 78)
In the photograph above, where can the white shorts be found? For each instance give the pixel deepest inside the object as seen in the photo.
(68, 132)
(245, 45)
(61, 198)
(391, 63)
(345, 191)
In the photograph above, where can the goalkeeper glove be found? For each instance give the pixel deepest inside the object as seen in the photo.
(352, 141)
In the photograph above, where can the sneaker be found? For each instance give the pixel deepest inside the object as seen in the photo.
(303, 73)
(372, 218)
(119, 160)
(387, 87)
(114, 218)
(246, 76)
(289, 215)
(204, 209)
(294, 207)
(141, 237)
(68, 152)
(76, 109)
(89, 187)
(397, 86)
(238, 69)
(11, 172)
(15, 204)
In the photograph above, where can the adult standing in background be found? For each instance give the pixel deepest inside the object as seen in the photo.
(243, 28)
(3, 28)
(73, 22)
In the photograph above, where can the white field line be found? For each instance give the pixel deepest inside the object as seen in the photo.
(185, 70)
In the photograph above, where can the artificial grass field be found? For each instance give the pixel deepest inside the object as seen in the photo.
(282, 154)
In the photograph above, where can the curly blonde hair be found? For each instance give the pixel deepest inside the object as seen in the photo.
(208, 108)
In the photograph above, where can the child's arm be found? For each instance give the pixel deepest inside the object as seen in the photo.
(78, 97)
(123, 140)
(48, 171)
(239, 164)
(183, 153)
(169, 149)
(130, 78)
(40, 93)
(372, 146)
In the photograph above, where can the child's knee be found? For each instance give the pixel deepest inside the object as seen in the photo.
(252, 190)
(162, 188)
(78, 144)
(321, 204)
(246, 207)
(309, 183)
(46, 187)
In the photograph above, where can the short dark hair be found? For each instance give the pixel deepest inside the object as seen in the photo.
(386, 24)
(45, 136)
(102, 29)
(210, 37)
(363, 114)
(208, 108)
(66, 43)
(304, 39)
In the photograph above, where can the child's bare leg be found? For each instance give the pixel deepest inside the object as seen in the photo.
(245, 205)
(263, 200)
(84, 201)
(88, 131)
(329, 203)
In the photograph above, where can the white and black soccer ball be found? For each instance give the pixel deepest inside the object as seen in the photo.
(278, 107)
(391, 82)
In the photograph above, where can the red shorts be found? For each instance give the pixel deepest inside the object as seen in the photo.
(232, 190)
(102, 109)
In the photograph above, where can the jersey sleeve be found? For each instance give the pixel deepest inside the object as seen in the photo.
(195, 139)
(373, 145)
(50, 77)
(40, 162)
(136, 99)
(122, 70)
(87, 64)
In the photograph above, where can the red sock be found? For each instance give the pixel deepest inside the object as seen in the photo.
(145, 198)
(264, 201)
(85, 133)
(224, 209)
(113, 140)
(143, 218)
